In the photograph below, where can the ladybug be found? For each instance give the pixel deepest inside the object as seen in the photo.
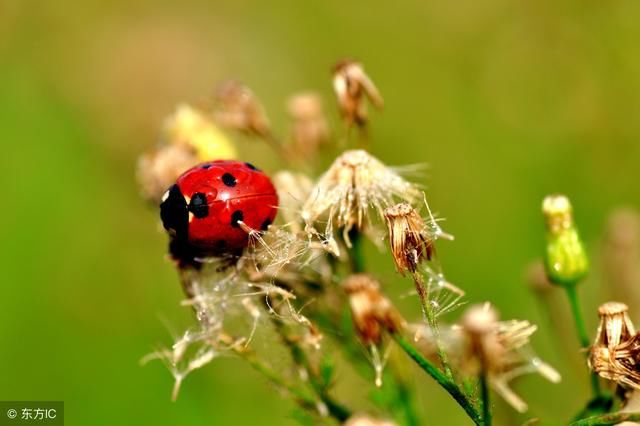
(202, 210)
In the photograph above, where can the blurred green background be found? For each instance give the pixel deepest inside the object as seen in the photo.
(506, 100)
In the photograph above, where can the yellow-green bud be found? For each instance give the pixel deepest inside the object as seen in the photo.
(566, 261)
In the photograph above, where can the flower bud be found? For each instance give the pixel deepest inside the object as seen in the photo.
(566, 260)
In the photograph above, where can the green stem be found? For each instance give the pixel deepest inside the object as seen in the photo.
(300, 358)
(448, 384)
(356, 256)
(607, 419)
(301, 398)
(431, 320)
(581, 330)
(486, 398)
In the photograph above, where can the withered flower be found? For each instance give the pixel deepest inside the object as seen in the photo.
(615, 352)
(310, 129)
(239, 109)
(365, 420)
(371, 311)
(188, 138)
(157, 170)
(352, 85)
(355, 183)
(501, 349)
(193, 128)
(293, 190)
(408, 236)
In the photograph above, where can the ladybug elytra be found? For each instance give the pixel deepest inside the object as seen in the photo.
(202, 209)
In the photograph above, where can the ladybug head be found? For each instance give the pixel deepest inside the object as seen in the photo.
(174, 213)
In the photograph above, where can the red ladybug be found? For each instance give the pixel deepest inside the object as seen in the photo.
(202, 210)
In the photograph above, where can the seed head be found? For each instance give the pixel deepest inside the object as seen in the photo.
(408, 236)
(356, 183)
(566, 260)
(352, 85)
(310, 129)
(293, 190)
(502, 349)
(239, 109)
(615, 352)
(365, 420)
(371, 311)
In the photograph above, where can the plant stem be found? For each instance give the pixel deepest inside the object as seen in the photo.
(581, 330)
(301, 398)
(449, 385)
(607, 419)
(300, 358)
(356, 256)
(431, 320)
(486, 398)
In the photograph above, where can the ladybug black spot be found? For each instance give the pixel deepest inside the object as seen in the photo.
(198, 205)
(206, 166)
(265, 224)
(236, 216)
(251, 166)
(229, 180)
(174, 213)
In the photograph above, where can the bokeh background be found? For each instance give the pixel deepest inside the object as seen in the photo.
(505, 100)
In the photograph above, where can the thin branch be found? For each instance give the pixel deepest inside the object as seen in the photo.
(607, 419)
(448, 384)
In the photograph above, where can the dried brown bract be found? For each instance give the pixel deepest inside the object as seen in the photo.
(615, 352)
(371, 311)
(408, 236)
(352, 85)
(310, 129)
(239, 109)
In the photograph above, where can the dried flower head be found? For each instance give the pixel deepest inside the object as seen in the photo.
(502, 349)
(157, 170)
(566, 259)
(239, 109)
(365, 420)
(188, 138)
(355, 183)
(310, 129)
(351, 85)
(293, 190)
(191, 127)
(615, 352)
(372, 312)
(408, 236)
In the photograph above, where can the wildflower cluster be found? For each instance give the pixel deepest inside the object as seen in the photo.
(290, 284)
